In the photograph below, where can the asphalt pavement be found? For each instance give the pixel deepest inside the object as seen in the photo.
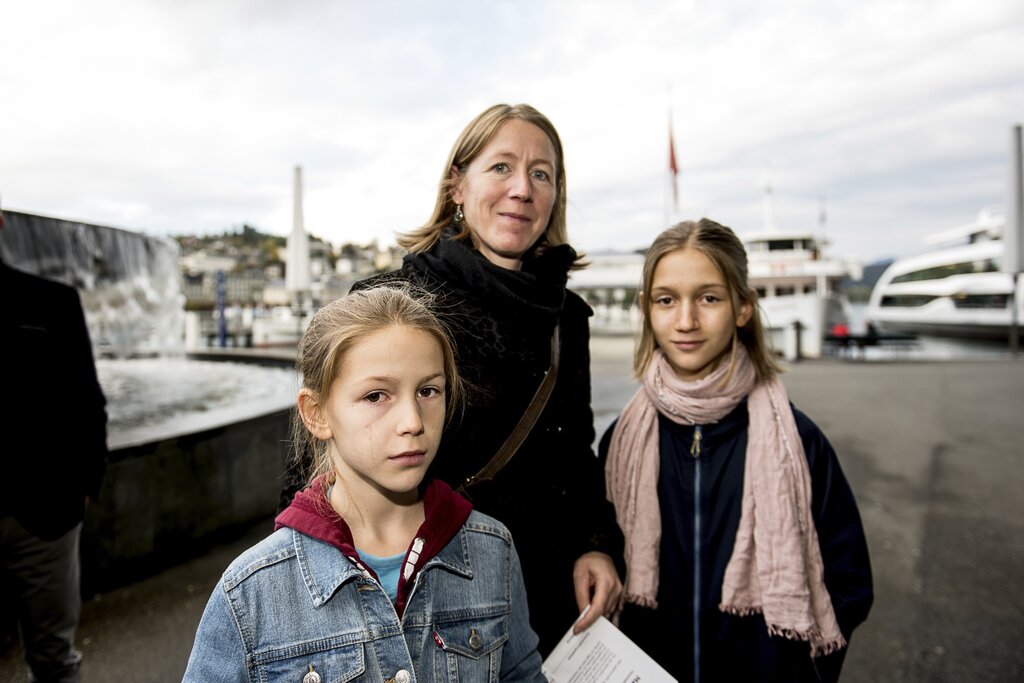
(931, 449)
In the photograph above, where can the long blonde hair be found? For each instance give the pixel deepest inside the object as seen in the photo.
(341, 324)
(470, 143)
(725, 250)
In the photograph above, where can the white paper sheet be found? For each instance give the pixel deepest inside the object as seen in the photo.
(601, 654)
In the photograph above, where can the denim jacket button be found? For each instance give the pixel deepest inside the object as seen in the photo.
(474, 639)
(312, 676)
(403, 676)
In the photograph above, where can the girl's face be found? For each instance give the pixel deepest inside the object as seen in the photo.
(691, 313)
(385, 412)
(508, 192)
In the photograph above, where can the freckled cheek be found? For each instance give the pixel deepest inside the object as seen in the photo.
(371, 442)
(548, 202)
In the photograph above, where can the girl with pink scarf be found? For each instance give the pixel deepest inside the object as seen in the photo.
(745, 555)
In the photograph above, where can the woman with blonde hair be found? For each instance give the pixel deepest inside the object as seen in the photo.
(495, 253)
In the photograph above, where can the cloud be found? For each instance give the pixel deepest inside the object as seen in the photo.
(189, 116)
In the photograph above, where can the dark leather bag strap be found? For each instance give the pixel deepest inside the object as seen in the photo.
(525, 424)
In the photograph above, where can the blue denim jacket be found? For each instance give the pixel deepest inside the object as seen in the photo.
(292, 605)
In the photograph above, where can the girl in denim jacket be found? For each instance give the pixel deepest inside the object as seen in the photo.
(372, 572)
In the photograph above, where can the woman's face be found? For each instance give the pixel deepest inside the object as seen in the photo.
(508, 191)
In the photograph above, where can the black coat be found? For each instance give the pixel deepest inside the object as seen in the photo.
(551, 494)
(54, 419)
(736, 648)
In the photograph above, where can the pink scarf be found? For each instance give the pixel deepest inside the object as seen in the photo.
(776, 566)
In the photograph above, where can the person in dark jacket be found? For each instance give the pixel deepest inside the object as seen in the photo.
(495, 252)
(745, 555)
(52, 388)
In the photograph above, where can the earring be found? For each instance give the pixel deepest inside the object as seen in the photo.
(459, 216)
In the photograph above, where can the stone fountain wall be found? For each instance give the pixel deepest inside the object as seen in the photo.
(166, 501)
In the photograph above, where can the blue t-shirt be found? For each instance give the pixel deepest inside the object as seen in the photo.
(387, 570)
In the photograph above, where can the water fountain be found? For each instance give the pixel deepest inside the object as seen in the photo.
(196, 446)
(128, 282)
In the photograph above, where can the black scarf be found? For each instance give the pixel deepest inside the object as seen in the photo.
(538, 288)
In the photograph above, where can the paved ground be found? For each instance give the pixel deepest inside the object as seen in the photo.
(933, 452)
(931, 449)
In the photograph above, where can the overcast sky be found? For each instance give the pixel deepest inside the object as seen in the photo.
(186, 116)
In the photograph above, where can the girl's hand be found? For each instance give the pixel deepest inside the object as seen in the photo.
(597, 584)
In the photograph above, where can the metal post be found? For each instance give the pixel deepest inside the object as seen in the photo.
(222, 323)
(1013, 232)
(1014, 332)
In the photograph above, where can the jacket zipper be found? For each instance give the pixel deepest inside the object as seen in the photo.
(695, 454)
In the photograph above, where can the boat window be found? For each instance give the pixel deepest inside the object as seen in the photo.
(785, 291)
(762, 292)
(780, 245)
(981, 300)
(907, 300)
(810, 289)
(948, 270)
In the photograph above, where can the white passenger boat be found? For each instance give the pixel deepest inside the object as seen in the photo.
(609, 284)
(954, 290)
(796, 284)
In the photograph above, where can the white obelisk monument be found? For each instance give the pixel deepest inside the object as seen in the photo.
(297, 265)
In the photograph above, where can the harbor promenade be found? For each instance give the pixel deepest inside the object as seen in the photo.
(932, 451)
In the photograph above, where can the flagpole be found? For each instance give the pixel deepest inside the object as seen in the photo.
(667, 186)
(671, 209)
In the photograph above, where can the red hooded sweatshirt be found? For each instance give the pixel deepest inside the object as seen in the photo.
(444, 513)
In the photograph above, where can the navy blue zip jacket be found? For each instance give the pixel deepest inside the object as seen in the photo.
(699, 490)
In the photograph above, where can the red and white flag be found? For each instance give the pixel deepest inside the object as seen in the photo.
(672, 166)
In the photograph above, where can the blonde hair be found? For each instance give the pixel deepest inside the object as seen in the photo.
(725, 250)
(470, 143)
(339, 326)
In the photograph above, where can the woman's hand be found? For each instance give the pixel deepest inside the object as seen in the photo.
(597, 584)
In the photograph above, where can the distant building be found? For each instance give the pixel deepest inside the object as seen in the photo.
(203, 261)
